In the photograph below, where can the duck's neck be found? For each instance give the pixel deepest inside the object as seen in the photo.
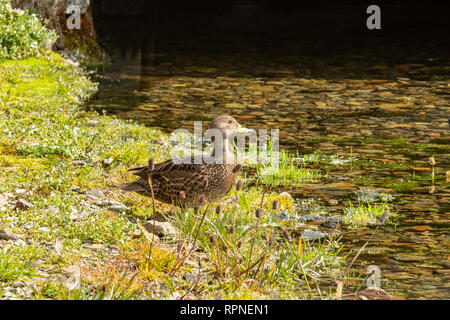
(224, 157)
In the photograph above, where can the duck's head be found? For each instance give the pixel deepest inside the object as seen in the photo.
(228, 126)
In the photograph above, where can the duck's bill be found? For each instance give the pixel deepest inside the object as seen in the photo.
(245, 130)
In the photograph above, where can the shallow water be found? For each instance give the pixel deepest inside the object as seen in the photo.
(375, 113)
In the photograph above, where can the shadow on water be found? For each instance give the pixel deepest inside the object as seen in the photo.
(329, 85)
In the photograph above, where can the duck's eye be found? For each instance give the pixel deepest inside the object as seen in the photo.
(230, 121)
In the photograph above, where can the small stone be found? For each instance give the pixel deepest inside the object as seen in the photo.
(3, 201)
(93, 246)
(44, 230)
(161, 229)
(160, 142)
(373, 294)
(311, 235)
(80, 163)
(95, 194)
(114, 206)
(408, 257)
(107, 162)
(20, 191)
(9, 294)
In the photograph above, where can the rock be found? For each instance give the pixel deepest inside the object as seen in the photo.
(45, 230)
(149, 236)
(20, 191)
(78, 5)
(403, 257)
(160, 229)
(93, 246)
(8, 294)
(3, 200)
(160, 142)
(310, 235)
(373, 294)
(80, 163)
(418, 228)
(96, 194)
(334, 189)
(113, 205)
(6, 234)
(107, 162)
(59, 246)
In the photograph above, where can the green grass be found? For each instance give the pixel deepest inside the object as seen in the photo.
(290, 172)
(364, 214)
(16, 262)
(255, 248)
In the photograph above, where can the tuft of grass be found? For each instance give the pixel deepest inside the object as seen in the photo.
(13, 264)
(364, 213)
(248, 252)
(288, 173)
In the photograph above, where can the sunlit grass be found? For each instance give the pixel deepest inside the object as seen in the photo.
(14, 264)
(244, 249)
(364, 213)
(288, 173)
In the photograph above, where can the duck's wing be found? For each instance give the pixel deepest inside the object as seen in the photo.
(171, 177)
(175, 166)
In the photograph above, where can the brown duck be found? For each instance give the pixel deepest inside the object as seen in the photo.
(188, 181)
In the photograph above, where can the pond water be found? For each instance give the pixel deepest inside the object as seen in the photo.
(373, 108)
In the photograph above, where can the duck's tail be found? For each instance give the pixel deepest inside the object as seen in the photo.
(138, 186)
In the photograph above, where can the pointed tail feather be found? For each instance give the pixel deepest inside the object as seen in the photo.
(135, 186)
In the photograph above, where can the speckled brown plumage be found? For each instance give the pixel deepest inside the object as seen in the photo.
(182, 181)
(169, 179)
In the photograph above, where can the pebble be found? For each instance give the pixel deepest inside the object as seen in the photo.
(44, 230)
(408, 257)
(311, 235)
(93, 246)
(95, 194)
(80, 163)
(159, 228)
(113, 205)
(108, 161)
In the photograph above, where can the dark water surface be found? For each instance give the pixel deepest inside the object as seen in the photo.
(376, 103)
